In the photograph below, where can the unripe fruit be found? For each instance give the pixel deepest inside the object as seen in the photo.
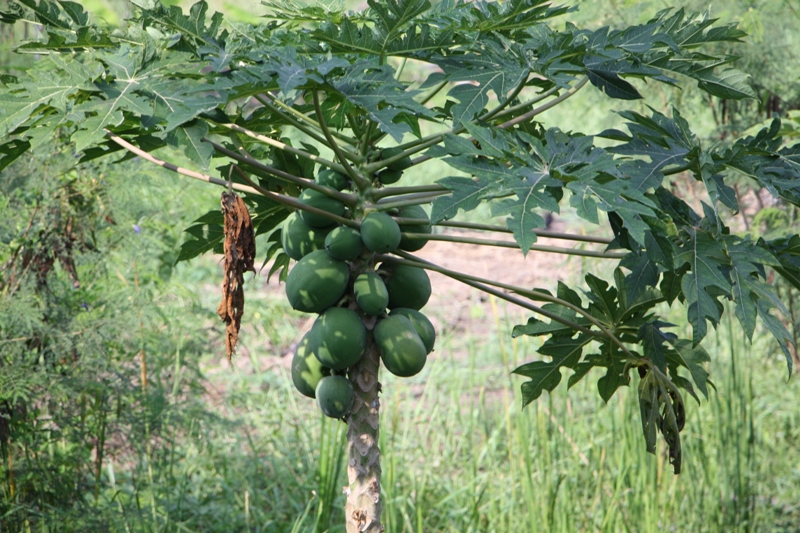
(319, 200)
(344, 243)
(408, 286)
(299, 239)
(402, 164)
(342, 338)
(425, 330)
(335, 396)
(371, 294)
(331, 178)
(380, 232)
(316, 282)
(402, 351)
(412, 244)
(306, 368)
(388, 176)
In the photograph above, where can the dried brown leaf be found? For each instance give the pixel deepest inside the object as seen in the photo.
(240, 249)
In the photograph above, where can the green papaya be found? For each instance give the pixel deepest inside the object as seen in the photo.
(402, 351)
(335, 396)
(388, 176)
(408, 286)
(313, 198)
(412, 244)
(380, 232)
(331, 178)
(425, 330)
(299, 239)
(344, 243)
(306, 368)
(371, 294)
(316, 282)
(342, 338)
(401, 164)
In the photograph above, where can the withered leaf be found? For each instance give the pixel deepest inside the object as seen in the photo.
(240, 249)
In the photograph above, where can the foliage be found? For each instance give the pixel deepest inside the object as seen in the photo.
(185, 80)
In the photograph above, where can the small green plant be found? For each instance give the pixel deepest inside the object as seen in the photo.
(313, 118)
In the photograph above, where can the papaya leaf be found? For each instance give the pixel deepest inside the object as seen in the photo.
(565, 351)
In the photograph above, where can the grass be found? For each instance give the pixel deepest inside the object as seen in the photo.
(460, 455)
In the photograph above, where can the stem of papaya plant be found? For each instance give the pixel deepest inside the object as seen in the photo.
(360, 181)
(518, 89)
(347, 199)
(510, 244)
(251, 188)
(411, 199)
(364, 504)
(535, 295)
(544, 107)
(470, 280)
(310, 121)
(293, 202)
(522, 118)
(397, 191)
(433, 92)
(283, 146)
(538, 232)
(175, 168)
(528, 103)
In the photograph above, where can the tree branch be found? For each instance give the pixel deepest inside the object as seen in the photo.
(348, 199)
(360, 182)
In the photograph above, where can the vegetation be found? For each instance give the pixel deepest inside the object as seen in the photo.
(275, 104)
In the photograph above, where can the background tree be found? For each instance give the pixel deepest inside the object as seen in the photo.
(175, 79)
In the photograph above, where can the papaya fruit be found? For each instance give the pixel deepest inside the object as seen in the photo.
(331, 178)
(335, 396)
(402, 164)
(425, 330)
(306, 368)
(388, 176)
(344, 243)
(316, 282)
(371, 294)
(313, 198)
(299, 239)
(412, 244)
(402, 351)
(342, 338)
(408, 286)
(380, 232)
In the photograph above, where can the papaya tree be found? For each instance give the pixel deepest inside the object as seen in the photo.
(319, 124)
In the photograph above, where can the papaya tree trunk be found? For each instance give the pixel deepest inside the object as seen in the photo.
(363, 507)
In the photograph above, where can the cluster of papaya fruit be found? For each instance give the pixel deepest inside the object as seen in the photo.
(336, 277)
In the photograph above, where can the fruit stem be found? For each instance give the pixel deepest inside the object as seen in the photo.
(532, 294)
(363, 506)
(348, 199)
(360, 181)
(510, 244)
